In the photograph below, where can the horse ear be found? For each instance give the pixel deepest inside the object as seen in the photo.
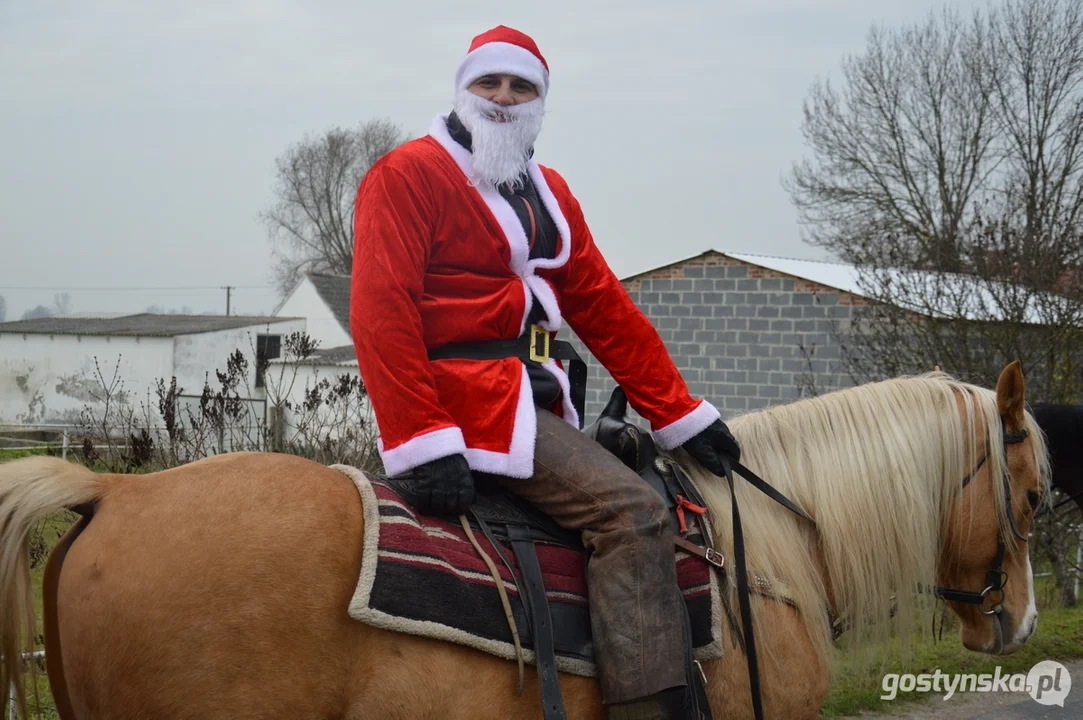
(617, 407)
(1011, 396)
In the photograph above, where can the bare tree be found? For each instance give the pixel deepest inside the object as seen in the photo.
(62, 303)
(37, 312)
(935, 120)
(3, 309)
(1036, 73)
(949, 170)
(1011, 303)
(311, 221)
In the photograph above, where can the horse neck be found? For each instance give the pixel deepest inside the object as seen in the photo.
(876, 486)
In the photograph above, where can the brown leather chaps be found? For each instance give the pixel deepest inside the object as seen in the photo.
(631, 572)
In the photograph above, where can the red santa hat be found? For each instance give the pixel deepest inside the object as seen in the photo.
(503, 50)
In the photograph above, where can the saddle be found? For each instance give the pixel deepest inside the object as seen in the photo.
(506, 519)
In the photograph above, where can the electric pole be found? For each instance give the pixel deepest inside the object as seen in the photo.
(229, 291)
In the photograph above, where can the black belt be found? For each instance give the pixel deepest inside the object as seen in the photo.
(535, 346)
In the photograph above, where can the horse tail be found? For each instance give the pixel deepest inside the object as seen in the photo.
(30, 489)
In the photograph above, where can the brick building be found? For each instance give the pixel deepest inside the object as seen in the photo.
(746, 331)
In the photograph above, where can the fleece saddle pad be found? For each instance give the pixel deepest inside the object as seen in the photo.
(421, 575)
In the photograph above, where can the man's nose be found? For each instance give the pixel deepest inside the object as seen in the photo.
(503, 96)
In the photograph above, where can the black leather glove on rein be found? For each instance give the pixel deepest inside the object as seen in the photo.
(443, 486)
(710, 444)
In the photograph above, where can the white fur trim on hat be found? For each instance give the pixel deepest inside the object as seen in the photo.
(499, 57)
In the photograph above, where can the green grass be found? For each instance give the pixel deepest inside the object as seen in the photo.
(855, 688)
(7, 454)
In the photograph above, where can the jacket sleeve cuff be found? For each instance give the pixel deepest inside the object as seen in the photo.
(421, 449)
(681, 431)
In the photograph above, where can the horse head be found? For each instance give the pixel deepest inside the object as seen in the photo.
(985, 573)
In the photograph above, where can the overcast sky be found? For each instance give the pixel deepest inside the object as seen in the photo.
(138, 139)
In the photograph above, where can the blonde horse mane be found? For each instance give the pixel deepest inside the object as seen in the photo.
(878, 467)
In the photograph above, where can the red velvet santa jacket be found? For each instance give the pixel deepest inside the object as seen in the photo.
(439, 261)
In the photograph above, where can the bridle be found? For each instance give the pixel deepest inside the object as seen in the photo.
(996, 579)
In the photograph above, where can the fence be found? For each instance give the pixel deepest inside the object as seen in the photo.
(249, 433)
(10, 438)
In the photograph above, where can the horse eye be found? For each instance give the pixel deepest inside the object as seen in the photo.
(1034, 499)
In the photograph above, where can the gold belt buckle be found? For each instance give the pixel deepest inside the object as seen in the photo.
(537, 331)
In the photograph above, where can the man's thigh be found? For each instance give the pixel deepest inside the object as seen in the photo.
(580, 484)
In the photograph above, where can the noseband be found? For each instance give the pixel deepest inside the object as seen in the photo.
(996, 579)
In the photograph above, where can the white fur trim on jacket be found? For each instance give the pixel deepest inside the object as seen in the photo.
(498, 58)
(570, 414)
(422, 449)
(683, 430)
(518, 462)
(549, 200)
(513, 229)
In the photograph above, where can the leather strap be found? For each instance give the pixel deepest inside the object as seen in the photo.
(498, 349)
(742, 587)
(541, 623)
(706, 554)
(488, 532)
(994, 581)
(760, 484)
(697, 685)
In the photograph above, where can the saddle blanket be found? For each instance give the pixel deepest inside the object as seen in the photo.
(421, 575)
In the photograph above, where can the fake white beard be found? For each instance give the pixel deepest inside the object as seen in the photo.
(501, 150)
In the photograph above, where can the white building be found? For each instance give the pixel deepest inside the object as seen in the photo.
(51, 368)
(324, 301)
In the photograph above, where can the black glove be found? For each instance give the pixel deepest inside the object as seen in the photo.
(443, 486)
(710, 444)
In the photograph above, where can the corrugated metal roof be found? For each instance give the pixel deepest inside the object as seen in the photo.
(832, 274)
(139, 325)
(946, 295)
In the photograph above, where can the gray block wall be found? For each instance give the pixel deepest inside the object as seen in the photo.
(741, 337)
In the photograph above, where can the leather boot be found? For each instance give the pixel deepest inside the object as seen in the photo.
(669, 704)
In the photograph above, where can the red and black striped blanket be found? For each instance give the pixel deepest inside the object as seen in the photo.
(421, 575)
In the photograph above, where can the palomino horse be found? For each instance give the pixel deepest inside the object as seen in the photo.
(219, 589)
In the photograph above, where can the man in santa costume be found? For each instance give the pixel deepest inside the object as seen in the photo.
(470, 257)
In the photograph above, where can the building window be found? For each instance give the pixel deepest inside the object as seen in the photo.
(268, 347)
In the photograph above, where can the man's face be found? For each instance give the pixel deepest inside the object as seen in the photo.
(503, 114)
(503, 89)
